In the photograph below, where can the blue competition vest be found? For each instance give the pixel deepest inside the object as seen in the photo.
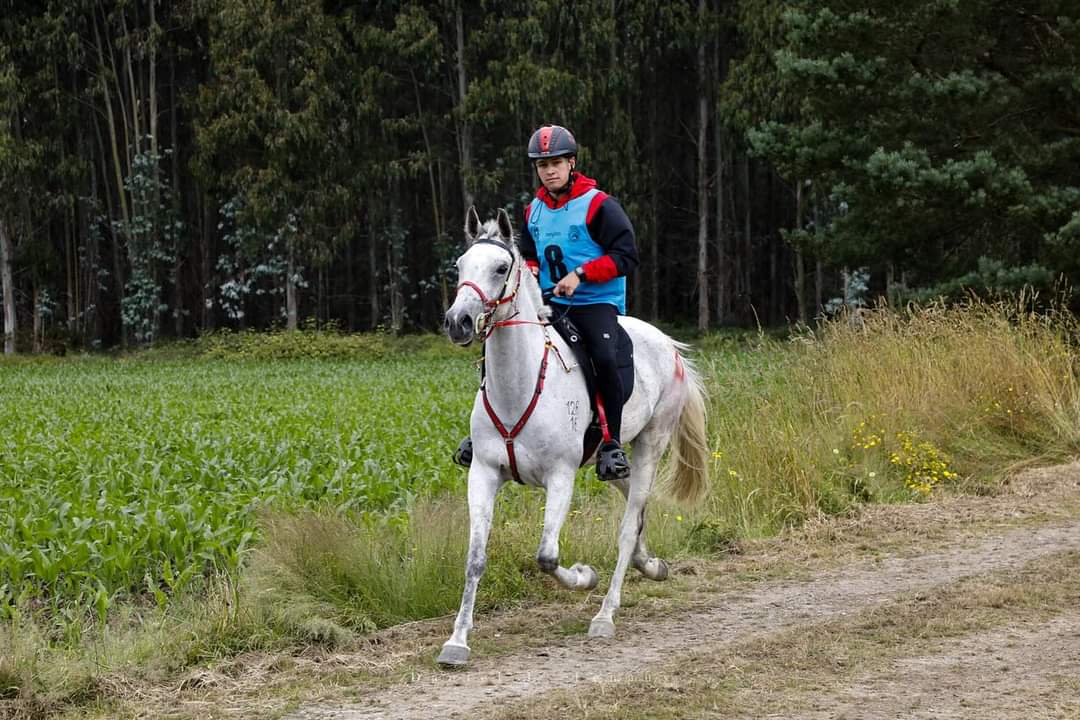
(562, 243)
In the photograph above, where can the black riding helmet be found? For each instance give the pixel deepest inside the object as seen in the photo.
(552, 141)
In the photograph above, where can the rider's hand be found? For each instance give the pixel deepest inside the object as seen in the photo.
(567, 285)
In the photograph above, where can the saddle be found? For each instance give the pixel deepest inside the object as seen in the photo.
(624, 358)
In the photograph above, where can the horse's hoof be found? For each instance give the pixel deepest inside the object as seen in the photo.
(654, 569)
(587, 577)
(602, 629)
(453, 656)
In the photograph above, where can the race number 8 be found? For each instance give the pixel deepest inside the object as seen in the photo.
(556, 266)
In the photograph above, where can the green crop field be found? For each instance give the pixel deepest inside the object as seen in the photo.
(120, 477)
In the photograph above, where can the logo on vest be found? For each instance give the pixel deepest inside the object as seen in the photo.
(574, 235)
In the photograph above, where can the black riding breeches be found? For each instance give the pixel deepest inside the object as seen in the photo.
(599, 327)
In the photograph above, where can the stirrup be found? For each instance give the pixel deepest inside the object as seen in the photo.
(463, 455)
(611, 462)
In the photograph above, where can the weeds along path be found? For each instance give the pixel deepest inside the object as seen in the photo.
(721, 622)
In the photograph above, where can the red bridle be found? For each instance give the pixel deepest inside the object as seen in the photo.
(491, 305)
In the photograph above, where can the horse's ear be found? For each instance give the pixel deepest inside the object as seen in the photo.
(472, 225)
(505, 228)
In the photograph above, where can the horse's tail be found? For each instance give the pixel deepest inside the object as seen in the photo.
(687, 470)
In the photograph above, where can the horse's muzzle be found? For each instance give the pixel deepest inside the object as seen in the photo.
(459, 327)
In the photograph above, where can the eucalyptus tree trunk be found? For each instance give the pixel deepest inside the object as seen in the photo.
(654, 208)
(37, 335)
(81, 322)
(71, 268)
(748, 212)
(436, 195)
(373, 270)
(819, 267)
(71, 272)
(722, 301)
(702, 183)
(206, 241)
(722, 270)
(135, 97)
(10, 319)
(775, 310)
(178, 255)
(464, 128)
(155, 198)
(397, 297)
(735, 257)
(350, 299)
(291, 314)
(88, 277)
(152, 85)
(117, 164)
(800, 262)
(819, 287)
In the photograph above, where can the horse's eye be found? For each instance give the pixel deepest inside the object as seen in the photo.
(502, 269)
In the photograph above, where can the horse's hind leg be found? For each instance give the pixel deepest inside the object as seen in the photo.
(560, 490)
(645, 562)
(647, 452)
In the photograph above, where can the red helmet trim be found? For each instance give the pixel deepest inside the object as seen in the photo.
(545, 138)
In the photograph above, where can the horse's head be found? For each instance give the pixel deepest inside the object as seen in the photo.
(486, 277)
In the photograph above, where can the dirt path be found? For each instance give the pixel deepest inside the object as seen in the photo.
(966, 679)
(1011, 672)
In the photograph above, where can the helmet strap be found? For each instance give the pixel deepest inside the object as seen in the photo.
(569, 183)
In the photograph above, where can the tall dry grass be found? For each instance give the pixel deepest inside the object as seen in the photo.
(849, 413)
(320, 577)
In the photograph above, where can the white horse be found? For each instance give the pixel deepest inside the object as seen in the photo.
(533, 386)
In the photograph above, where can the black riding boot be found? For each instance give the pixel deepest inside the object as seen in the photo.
(611, 462)
(463, 455)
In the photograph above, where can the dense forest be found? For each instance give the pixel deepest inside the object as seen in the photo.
(171, 168)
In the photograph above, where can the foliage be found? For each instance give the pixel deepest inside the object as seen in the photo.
(255, 264)
(173, 142)
(152, 234)
(991, 280)
(321, 344)
(946, 130)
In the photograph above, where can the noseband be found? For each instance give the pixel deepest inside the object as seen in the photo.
(491, 305)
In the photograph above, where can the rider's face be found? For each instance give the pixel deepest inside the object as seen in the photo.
(554, 173)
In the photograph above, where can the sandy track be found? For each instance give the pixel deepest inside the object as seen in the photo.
(1011, 672)
(640, 646)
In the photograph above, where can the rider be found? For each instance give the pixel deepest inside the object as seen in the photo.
(586, 249)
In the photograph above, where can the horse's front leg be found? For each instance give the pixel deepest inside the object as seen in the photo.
(560, 490)
(484, 482)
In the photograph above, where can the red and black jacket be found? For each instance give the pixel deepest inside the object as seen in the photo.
(608, 225)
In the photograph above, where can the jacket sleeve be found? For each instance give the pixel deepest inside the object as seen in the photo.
(611, 229)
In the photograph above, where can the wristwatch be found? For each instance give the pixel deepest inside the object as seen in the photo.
(580, 272)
